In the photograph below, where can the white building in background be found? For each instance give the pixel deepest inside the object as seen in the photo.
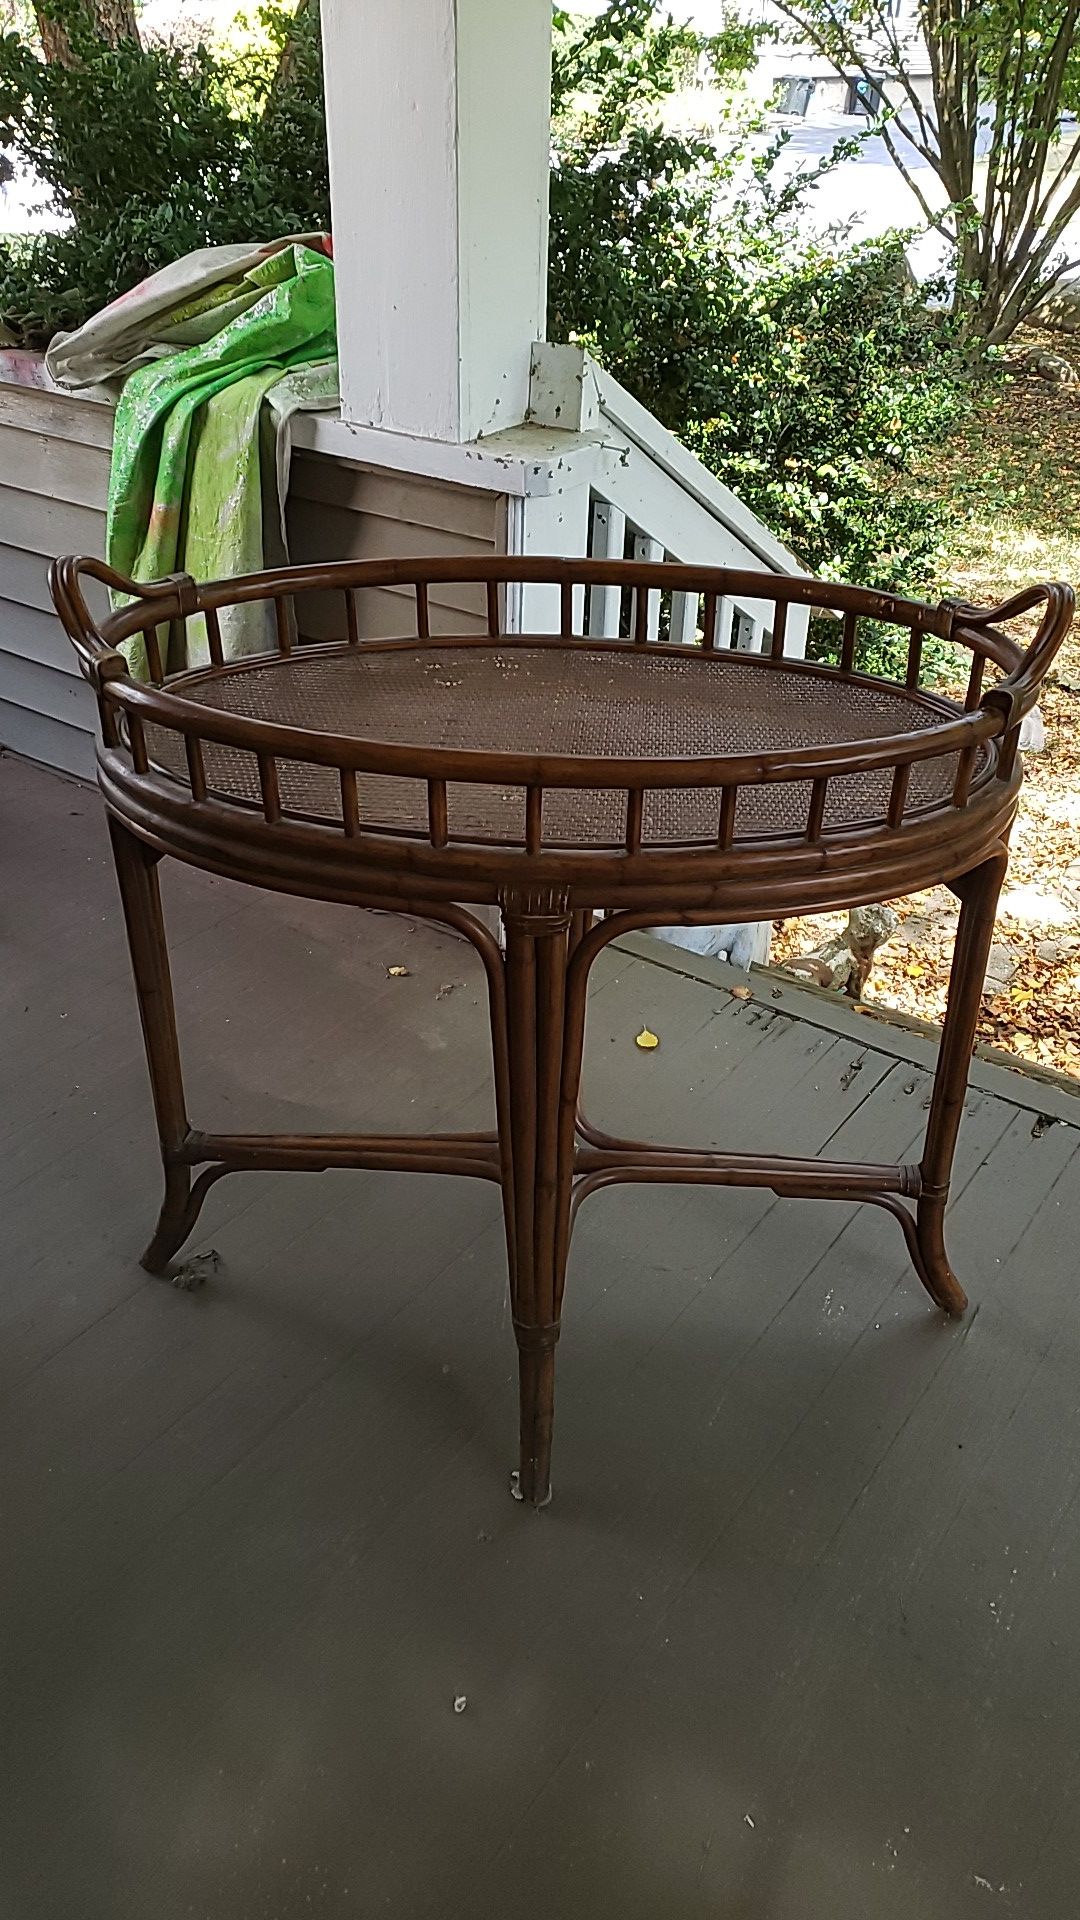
(804, 85)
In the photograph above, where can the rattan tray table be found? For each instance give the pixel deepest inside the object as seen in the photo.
(585, 787)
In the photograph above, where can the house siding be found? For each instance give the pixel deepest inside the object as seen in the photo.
(54, 473)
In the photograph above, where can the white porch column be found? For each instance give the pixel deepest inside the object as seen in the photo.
(437, 121)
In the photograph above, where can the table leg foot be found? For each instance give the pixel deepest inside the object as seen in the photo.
(516, 1493)
(175, 1221)
(932, 1264)
(180, 1211)
(536, 1378)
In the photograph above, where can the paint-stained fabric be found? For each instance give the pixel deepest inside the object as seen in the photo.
(198, 483)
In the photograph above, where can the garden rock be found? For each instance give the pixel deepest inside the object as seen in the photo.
(1051, 367)
(843, 962)
(1055, 951)
(1000, 968)
(1062, 309)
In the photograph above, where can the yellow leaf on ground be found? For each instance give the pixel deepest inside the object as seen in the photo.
(397, 973)
(646, 1040)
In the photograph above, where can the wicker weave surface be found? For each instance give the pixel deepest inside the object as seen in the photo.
(571, 699)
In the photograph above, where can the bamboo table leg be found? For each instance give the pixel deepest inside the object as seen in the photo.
(140, 894)
(542, 1073)
(537, 997)
(978, 893)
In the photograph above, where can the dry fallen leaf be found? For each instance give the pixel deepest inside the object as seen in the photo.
(397, 973)
(646, 1040)
(741, 993)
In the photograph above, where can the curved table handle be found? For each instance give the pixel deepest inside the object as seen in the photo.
(100, 661)
(1018, 692)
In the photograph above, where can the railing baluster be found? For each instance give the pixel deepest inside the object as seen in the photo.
(635, 807)
(898, 793)
(352, 628)
(975, 681)
(849, 642)
(607, 542)
(438, 827)
(647, 599)
(534, 819)
(684, 615)
(779, 628)
(268, 786)
(350, 804)
(281, 621)
(213, 637)
(493, 622)
(729, 800)
(423, 622)
(816, 816)
(746, 631)
(195, 766)
(914, 660)
(708, 622)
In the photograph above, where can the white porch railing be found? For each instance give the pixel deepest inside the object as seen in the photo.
(647, 498)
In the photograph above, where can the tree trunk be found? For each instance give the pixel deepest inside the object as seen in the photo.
(290, 52)
(114, 20)
(55, 42)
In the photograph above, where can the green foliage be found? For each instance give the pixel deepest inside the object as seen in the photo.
(806, 376)
(1003, 74)
(150, 153)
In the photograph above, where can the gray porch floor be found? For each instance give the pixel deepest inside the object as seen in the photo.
(797, 1639)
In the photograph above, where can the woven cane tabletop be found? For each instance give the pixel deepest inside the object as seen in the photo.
(565, 698)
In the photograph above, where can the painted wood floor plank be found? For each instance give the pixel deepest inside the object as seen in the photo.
(797, 1636)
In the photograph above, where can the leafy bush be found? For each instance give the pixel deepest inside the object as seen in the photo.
(153, 151)
(806, 375)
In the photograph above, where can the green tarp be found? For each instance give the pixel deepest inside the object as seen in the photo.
(216, 354)
(185, 491)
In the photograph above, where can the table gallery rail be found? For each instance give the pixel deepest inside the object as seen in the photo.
(585, 787)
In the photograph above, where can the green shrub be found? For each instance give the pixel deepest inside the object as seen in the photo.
(807, 374)
(150, 152)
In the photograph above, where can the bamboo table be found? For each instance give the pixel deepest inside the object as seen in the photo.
(559, 778)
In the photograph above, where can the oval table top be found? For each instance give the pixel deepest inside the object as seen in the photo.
(593, 702)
